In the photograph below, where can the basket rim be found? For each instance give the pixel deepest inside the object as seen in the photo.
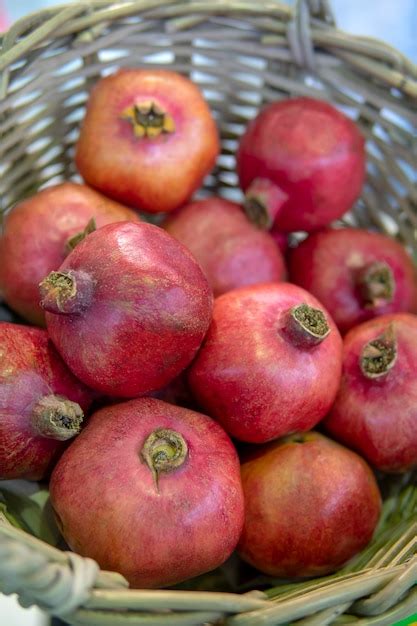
(73, 587)
(367, 54)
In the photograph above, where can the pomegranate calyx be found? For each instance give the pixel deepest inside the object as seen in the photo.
(164, 451)
(74, 240)
(67, 292)
(379, 355)
(263, 201)
(306, 326)
(56, 417)
(376, 284)
(148, 119)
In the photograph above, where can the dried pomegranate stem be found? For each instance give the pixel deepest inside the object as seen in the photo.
(306, 326)
(73, 241)
(66, 293)
(263, 201)
(379, 355)
(164, 451)
(376, 284)
(56, 417)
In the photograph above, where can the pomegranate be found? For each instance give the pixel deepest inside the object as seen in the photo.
(148, 139)
(355, 273)
(270, 364)
(38, 234)
(41, 403)
(281, 240)
(301, 163)
(375, 411)
(128, 309)
(164, 481)
(310, 505)
(231, 251)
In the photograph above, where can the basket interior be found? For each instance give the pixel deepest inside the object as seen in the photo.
(241, 58)
(240, 55)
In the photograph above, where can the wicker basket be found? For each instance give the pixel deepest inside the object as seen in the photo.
(242, 53)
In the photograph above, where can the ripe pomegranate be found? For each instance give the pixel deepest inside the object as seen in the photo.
(231, 251)
(281, 240)
(128, 309)
(270, 364)
(375, 411)
(301, 163)
(310, 505)
(369, 274)
(148, 139)
(41, 403)
(164, 481)
(38, 234)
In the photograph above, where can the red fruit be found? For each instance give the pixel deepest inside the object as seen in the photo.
(231, 251)
(375, 411)
(281, 240)
(301, 163)
(36, 235)
(165, 483)
(41, 403)
(148, 139)
(271, 362)
(128, 309)
(310, 505)
(356, 274)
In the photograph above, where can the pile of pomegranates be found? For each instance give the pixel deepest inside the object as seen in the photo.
(170, 400)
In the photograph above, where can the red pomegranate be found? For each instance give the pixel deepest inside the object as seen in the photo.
(270, 364)
(281, 240)
(148, 139)
(128, 309)
(231, 251)
(165, 483)
(39, 232)
(369, 274)
(41, 403)
(310, 505)
(301, 163)
(375, 411)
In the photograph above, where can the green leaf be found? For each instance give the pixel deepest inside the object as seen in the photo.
(27, 506)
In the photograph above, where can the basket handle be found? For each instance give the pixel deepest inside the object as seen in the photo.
(299, 32)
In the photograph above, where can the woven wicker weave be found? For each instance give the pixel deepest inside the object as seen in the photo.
(242, 53)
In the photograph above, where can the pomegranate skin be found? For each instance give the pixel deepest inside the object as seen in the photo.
(310, 505)
(252, 376)
(153, 173)
(310, 151)
(232, 252)
(335, 258)
(378, 417)
(34, 239)
(30, 369)
(149, 308)
(281, 240)
(186, 525)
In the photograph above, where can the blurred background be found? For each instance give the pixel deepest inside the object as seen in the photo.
(393, 22)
